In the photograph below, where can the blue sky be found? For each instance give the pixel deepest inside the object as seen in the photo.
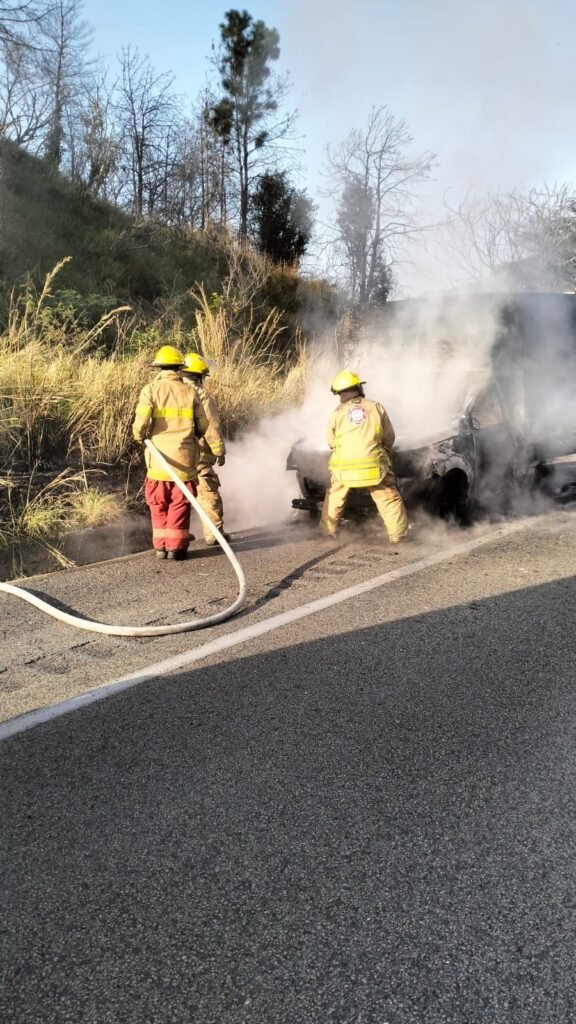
(489, 85)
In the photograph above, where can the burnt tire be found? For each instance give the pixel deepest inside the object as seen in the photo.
(449, 498)
(543, 478)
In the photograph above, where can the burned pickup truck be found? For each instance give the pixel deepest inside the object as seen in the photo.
(517, 415)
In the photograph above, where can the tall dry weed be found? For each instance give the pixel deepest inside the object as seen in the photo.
(248, 377)
(63, 401)
(99, 422)
(42, 392)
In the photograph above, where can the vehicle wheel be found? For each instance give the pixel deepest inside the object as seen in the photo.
(543, 477)
(449, 498)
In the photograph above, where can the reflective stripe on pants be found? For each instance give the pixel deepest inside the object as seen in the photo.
(210, 498)
(385, 496)
(170, 514)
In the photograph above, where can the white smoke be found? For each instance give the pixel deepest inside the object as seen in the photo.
(424, 360)
(257, 489)
(406, 367)
(487, 87)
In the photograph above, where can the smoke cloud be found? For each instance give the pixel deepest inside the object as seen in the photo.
(427, 361)
(489, 88)
(256, 487)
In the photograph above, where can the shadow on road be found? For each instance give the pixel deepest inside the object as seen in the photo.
(287, 581)
(375, 826)
(257, 540)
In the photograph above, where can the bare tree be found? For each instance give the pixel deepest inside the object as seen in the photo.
(373, 178)
(160, 193)
(183, 194)
(198, 181)
(64, 68)
(528, 236)
(25, 107)
(92, 139)
(24, 103)
(148, 112)
(16, 17)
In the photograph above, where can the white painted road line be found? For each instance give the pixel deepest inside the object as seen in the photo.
(240, 636)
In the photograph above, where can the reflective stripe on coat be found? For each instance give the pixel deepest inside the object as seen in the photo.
(212, 444)
(172, 416)
(360, 435)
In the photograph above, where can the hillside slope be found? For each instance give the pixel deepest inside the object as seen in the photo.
(44, 218)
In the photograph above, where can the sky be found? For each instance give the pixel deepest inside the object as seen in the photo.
(487, 85)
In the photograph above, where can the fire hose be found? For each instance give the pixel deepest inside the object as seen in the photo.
(179, 627)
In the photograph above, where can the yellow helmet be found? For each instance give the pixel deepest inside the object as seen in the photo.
(193, 363)
(168, 356)
(344, 380)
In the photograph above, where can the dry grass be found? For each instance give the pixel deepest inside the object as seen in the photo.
(64, 505)
(48, 511)
(99, 422)
(62, 401)
(43, 364)
(248, 378)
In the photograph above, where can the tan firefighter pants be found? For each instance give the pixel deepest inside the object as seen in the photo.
(385, 496)
(210, 498)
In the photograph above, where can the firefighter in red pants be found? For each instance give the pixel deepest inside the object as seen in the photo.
(171, 414)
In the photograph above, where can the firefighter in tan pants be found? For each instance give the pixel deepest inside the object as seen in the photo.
(360, 436)
(212, 447)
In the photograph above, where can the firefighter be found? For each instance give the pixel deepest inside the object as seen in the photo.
(360, 436)
(212, 448)
(172, 416)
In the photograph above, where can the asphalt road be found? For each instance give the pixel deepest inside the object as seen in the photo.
(366, 816)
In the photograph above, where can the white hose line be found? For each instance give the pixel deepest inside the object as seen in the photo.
(179, 627)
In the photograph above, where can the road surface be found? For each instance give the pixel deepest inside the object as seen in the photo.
(362, 812)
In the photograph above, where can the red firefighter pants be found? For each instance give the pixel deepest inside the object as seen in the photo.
(170, 513)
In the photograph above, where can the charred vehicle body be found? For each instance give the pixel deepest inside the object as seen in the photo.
(508, 421)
